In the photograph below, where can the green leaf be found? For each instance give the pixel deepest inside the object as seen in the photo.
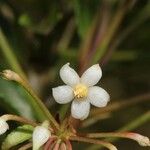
(19, 135)
(84, 11)
(13, 99)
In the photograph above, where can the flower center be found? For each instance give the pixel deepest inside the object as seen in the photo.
(80, 91)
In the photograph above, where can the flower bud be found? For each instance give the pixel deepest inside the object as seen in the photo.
(143, 140)
(3, 126)
(40, 136)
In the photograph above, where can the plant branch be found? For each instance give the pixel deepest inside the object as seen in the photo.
(128, 127)
(9, 55)
(10, 75)
(68, 144)
(9, 117)
(93, 141)
(116, 21)
(142, 16)
(142, 140)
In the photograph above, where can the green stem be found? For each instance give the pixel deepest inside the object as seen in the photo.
(112, 30)
(14, 64)
(10, 75)
(40, 103)
(63, 111)
(93, 141)
(12, 60)
(9, 55)
(137, 122)
(142, 16)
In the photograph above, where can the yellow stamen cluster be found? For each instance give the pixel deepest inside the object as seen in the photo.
(80, 91)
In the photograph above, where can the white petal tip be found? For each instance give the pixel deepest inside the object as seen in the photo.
(69, 75)
(66, 65)
(92, 75)
(40, 136)
(3, 126)
(96, 65)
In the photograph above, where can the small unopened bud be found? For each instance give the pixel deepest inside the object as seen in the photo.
(3, 126)
(10, 75)
(41, 134)
(143, 140)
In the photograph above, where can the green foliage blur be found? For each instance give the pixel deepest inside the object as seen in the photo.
(37, 37)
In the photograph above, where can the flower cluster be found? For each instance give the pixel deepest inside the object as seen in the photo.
(40, 135)
(81, 90)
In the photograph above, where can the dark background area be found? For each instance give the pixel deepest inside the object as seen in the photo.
(38, 37)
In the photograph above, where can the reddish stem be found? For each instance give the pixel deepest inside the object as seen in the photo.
(57, 145)
(49, 143)
(93, 141)
(68, 144)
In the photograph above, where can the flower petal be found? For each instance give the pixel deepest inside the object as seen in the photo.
(40, 136)
(69, 75)
(92, 75)
(80, 109)
(3, 126)
(98, 96)
(63, 94)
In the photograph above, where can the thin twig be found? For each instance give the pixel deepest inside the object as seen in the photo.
(68, 144)
(141, 18)
(128, 127)
(93, 141)
(49, 143)
(12, 76)
(9, 55)
(56, 147)
(113, 28)
(9, 117)
(142, 140)
(26, 146)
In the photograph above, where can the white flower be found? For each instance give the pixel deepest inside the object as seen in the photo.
(40, 136)
(81, 90)
(3, 126)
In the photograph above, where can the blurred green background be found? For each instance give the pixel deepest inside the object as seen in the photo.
(38, 36)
